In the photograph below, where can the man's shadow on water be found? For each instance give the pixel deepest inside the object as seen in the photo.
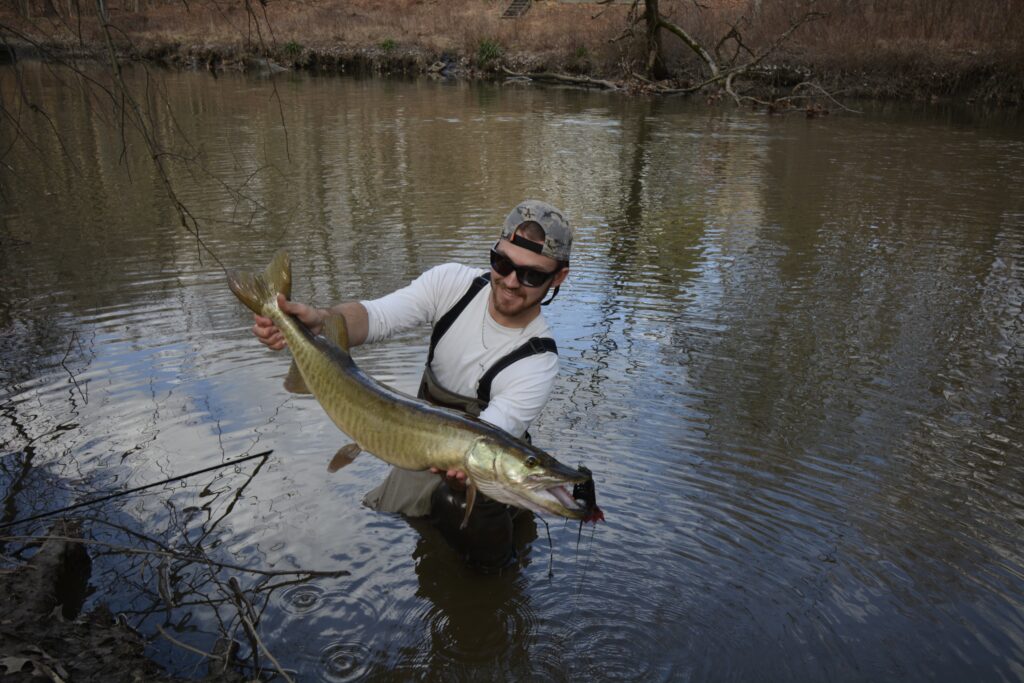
(475, 581)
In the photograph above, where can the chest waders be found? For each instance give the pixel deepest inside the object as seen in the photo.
(487, 539)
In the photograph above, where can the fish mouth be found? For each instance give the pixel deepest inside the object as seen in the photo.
(549, 492)
(552, 500)
(565, 499)
(580, 504)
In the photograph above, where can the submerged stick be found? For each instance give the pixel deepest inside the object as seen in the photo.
(181, 556)
(111, 496)
(244, 612)
(184, 646)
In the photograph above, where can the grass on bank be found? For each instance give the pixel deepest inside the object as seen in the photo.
(921, 38)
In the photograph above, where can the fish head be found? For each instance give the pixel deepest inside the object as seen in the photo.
(519, 474)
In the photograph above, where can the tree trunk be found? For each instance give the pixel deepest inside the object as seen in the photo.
(655, 66)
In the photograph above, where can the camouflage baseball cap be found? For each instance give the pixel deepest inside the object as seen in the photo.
(557, 233)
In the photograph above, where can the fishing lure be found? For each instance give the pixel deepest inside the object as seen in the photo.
(587, 493)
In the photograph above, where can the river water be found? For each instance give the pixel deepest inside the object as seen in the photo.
(792, 353)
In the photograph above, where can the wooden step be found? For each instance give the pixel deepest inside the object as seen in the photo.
(516, 9)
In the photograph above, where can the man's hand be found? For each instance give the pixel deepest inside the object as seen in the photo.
(456, 479)
(268, 334)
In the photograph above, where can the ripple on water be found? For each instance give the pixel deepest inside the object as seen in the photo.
(586, 632)
(467, 637)
(627, 651)
(804, 422)
(302, 599)
(344, 660)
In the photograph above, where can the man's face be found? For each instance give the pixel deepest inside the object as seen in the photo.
(510, 297)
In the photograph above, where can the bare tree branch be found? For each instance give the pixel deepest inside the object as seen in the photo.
(824, 93)
(181, 556)
(805, 18)
(692, 43)
(562, 78)
(719, 73)
(734, 35)
(184, 646)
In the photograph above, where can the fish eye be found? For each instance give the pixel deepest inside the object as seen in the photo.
(532, 461)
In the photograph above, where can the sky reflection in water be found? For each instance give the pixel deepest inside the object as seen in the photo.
(791, 354)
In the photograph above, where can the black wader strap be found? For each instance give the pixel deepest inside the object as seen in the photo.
(448, 318)
(531, 348)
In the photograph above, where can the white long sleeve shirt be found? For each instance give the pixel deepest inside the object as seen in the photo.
(472, 344)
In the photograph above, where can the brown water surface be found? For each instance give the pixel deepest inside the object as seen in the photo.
(792, 353)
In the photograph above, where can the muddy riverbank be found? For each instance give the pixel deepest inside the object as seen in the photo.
(965, 79)
(895, 56)
(45, 636)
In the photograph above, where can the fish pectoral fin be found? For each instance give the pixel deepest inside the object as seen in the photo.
(345, 456)
(470, 499)
(335, 330)
(294, 382)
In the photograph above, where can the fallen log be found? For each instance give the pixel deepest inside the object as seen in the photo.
(566, 79)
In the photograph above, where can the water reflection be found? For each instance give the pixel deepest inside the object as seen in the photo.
(473, 621)
(791, 354)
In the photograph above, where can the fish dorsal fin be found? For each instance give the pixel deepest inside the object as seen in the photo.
(294, 382)
(279, 274)
(335, 330)
(470, 499)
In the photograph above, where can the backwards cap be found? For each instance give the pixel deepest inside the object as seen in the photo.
(557, 233)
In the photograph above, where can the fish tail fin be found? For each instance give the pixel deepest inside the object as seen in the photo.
(257, 290)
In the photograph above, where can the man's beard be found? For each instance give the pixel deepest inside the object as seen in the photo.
(514, 305)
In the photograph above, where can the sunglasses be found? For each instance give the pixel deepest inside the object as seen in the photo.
(528, 277)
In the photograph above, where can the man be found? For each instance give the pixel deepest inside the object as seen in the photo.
(491, 352)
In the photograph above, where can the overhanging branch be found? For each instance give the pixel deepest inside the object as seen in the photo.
(690, 42)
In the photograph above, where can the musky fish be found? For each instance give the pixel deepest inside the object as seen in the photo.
(404, 431)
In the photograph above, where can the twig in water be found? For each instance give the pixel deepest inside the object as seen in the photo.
(182, 556)
(182, 645)
(245, 616)
(826, 94)
(71, 342)
(102, 499)
(250, 630)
